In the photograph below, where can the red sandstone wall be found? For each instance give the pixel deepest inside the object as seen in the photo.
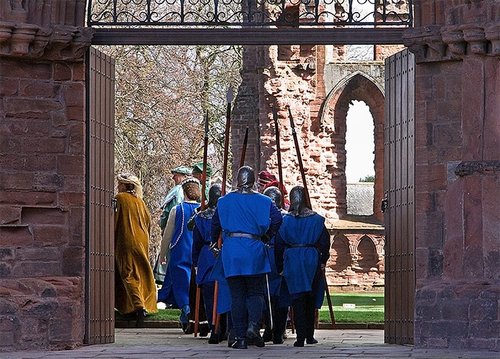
(42, 177)
(457, 206)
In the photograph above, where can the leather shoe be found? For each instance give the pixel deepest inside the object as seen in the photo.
(268, 335)
(253, 335)
(311, 341)
(240, 343)
(231, 340)
(214, 338)
(140, 314)
(298, 343)
(278, 339)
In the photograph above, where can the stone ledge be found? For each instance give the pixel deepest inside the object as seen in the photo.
(60, 42)
(453, 42)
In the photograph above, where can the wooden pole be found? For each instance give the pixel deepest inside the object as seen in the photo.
(308, 201)
(202, 207)
(229, 97)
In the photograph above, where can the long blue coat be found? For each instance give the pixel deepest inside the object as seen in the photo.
(306, 245)
(206, 262)
(244, 213)
(175, 289)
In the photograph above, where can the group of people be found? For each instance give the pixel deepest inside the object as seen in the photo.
(251, 254)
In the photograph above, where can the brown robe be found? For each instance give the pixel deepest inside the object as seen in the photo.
(134, 285)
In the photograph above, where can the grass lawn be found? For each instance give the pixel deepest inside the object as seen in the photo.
(369, 308)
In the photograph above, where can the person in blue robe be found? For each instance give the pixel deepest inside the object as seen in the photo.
(204, 260)
(175, 195)
(279, 298)
(302, 248)
(247, 220)
(179, 240)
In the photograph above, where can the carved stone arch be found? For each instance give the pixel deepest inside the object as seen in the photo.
(367, 253)
(340, 255)
(358, 86)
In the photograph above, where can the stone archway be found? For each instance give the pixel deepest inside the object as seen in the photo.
(357, 85)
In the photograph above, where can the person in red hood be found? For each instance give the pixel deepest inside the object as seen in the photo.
(267, 179)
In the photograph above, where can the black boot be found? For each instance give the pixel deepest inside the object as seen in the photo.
(214, 338)
(268, 335)
(240, 343)
(278, 339)
(231, 339)
(140, 314)
(253, 335)
(311, 340)
(299, 342)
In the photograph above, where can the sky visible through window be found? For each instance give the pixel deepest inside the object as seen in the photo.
(359, 142)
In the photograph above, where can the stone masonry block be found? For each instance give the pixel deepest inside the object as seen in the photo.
(37, 89)
(10, 214)
(12, 236)
(18, 162)
(62, 72)
(16, 70)
(16, 107)
(74, 94)
(70, 165)
(44, 215)
(455, 310)
(16, 181)
(49, 235)
(8, 87)
(484, 309)
(49, 182)
(28, 198)
(36, 269)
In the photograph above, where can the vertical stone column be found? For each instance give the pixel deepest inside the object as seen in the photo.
(457, 184)
(42, 177)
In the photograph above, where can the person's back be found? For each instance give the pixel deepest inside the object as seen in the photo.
(135, 291)
(247, 219)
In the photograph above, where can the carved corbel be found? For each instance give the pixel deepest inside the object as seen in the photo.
(426, 43)
(42, 39)
(5, 35)
(413, 40)
(81, 42)
(22, 37)
(61, 38)
(475, 36)
(492, 34)
(454, 38)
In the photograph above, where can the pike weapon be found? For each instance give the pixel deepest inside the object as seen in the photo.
(308, 199)
(299, 157)
(202, 207)
(244, 148)
(229, 97)
(278, 149)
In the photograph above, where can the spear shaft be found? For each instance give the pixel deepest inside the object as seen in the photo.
(308, 200)
(299, 158)
(244, 149)
(278, 148)
(215, 316)
(202, 207)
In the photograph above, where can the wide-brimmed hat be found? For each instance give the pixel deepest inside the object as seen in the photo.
(183, 170)
(198, 168)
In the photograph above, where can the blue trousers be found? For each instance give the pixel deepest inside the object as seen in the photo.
(247, 296)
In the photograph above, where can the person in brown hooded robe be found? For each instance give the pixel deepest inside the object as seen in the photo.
(135, 289)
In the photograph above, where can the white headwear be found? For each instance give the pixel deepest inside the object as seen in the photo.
(131, 179)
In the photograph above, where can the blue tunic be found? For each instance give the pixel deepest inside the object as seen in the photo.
(175, 289)
(202, 256)
(244, 213)
(205, 261)
(301, 259)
